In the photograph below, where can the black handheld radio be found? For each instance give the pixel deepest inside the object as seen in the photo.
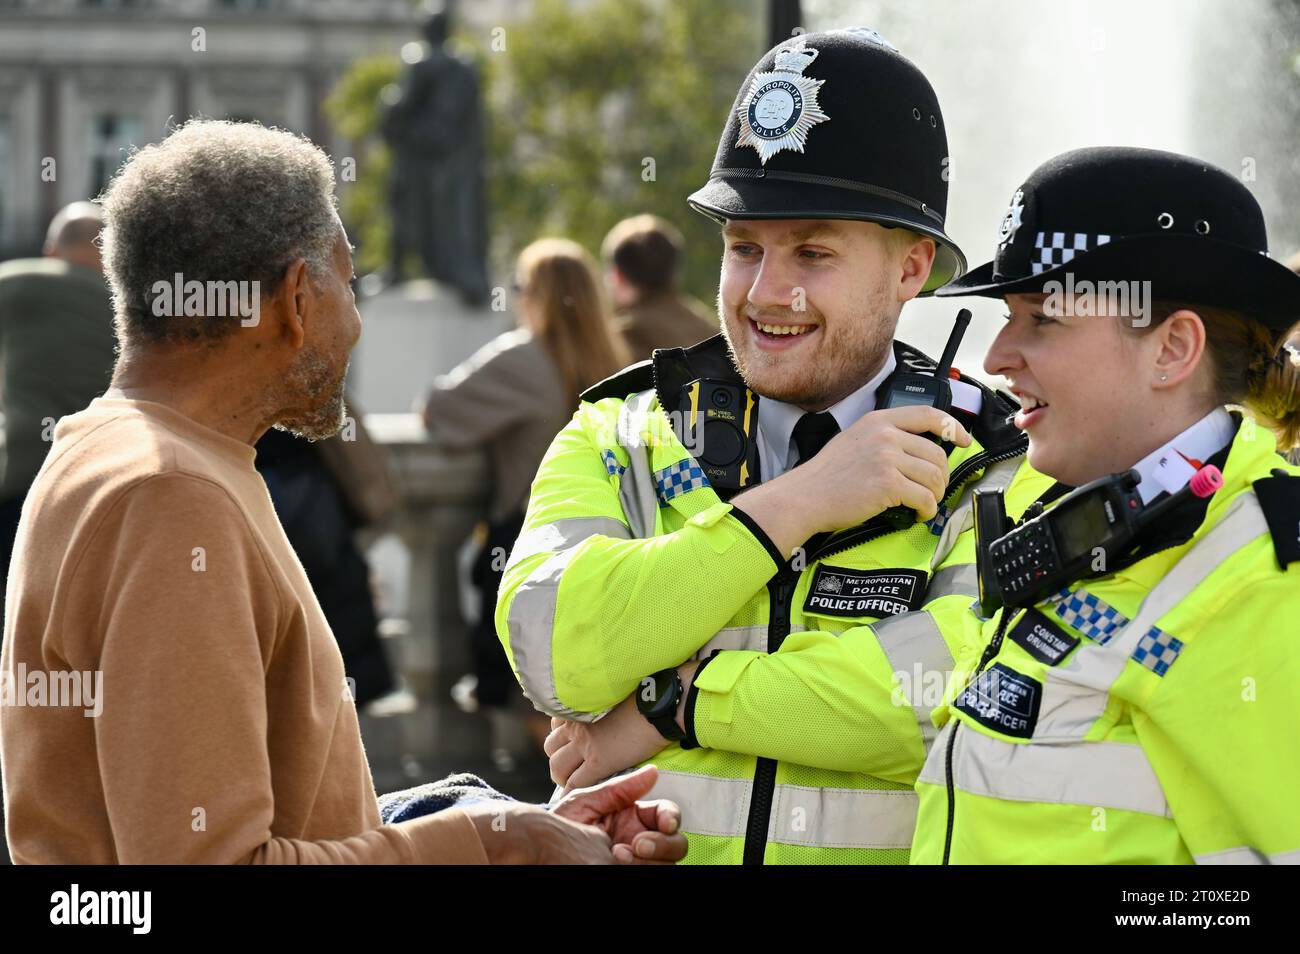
(1083, 535)
(929, 389)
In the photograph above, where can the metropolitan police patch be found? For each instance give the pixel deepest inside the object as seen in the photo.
(782, 105)
(844, 592)
(1003, 700)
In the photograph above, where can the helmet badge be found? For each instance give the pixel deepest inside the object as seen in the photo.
(782, 105)
(1011, 219)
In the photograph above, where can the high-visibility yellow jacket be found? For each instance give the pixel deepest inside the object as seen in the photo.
(629, 563)
(1146, 716)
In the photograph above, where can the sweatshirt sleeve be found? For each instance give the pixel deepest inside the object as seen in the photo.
(189, 619)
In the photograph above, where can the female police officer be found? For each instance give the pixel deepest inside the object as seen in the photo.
(1140, 708)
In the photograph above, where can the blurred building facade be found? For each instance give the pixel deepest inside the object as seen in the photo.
(83, 80)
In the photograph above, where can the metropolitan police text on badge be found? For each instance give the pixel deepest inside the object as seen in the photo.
(762, 100)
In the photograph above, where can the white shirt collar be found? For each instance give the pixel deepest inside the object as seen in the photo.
(776, 421)
(1169, 467)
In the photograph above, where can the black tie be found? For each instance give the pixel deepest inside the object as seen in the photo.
(812, 432)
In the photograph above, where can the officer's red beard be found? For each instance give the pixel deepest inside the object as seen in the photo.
(842, 355)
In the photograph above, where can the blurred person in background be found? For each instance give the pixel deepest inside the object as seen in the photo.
(641, 255)
(57, 342)
(511, 398)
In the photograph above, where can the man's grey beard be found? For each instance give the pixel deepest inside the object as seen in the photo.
(312, 377)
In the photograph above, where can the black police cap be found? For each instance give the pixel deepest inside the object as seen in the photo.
(1122, 214)
(836, 125)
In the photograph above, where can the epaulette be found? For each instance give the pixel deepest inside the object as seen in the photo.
(634, 378)
(1279, 498)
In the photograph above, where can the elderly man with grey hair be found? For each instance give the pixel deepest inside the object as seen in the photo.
(197, 708)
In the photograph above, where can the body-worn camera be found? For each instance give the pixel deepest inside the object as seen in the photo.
(721, 431)
(1087, 531)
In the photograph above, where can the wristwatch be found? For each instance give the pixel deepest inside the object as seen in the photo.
(657, 698)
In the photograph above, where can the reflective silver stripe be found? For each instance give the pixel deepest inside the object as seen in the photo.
(1075, 695)
(915, 648)
(563, 534)
(1095, 774)
(842, 817)
(963, 516)
(636, 488)
(1248, 856)
(932, 772)
(801, 815)
(710, 806)
(530, 622)
(740, 637)
(960, 578)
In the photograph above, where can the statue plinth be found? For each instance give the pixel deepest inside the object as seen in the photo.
(412, 332)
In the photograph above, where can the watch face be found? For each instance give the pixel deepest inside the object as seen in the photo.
(657, 694)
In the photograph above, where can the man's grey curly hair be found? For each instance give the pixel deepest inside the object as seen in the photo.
(214, 201)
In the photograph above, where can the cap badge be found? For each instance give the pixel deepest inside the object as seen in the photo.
(782, 105)
(1011, 220)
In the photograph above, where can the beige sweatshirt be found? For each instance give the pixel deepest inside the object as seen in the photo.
(149, 560)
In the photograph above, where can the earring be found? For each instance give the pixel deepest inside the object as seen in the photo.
(1164, 377)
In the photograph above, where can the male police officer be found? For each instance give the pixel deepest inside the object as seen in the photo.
(683, 580)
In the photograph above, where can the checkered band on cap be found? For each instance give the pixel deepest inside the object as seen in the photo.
(679, 478)
(1056, 248)
(1095, 618)
(1157, 650)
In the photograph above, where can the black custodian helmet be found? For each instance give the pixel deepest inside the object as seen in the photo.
(836, 125)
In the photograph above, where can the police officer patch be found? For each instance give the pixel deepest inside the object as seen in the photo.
(782, 105)
(839, 591)
(1003, 700)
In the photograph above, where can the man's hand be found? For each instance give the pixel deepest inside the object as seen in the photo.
(881, 461)
(583, 753)
(642, 832)
(517, 833)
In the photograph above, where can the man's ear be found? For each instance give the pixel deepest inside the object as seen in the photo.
(1182, 343)
(915, 261)
(293, 301)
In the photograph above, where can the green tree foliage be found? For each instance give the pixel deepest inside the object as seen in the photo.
(353, 108)
(596, 111)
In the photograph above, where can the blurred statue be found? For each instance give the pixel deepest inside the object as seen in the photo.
(434, 125)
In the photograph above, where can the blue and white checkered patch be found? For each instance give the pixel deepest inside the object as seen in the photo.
(612, 465)
(1095, 618)
(936, 523)
(679, 478)
(1157, 650)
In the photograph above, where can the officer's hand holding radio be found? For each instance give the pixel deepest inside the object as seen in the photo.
(878, 463)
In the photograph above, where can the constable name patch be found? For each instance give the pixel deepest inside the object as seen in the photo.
(837, 591)
(1003, 700)
(1041, 638)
